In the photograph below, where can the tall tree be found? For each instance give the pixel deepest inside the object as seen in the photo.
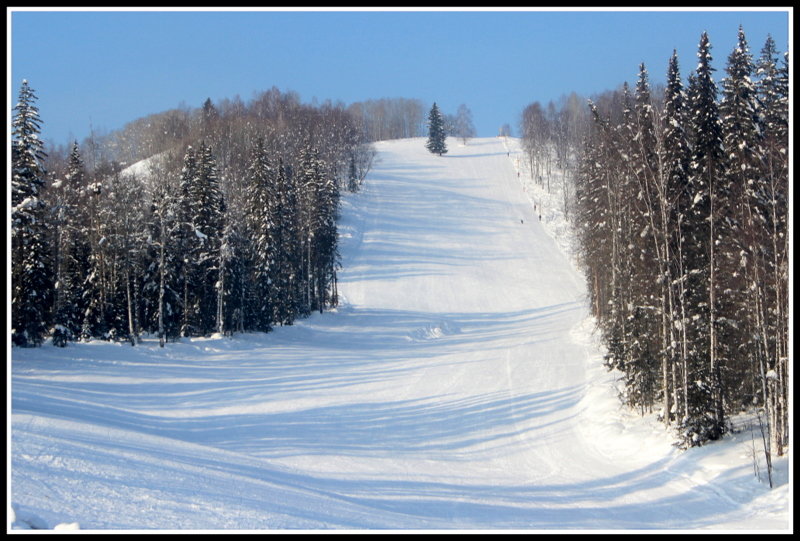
(31, 259)
(286, 272)
(436, 132)
(744, 273)
(772, 87)
(677, 199)
(71, 250)
(160, 281)
(260, 213)
(204, 208)
(703, 229)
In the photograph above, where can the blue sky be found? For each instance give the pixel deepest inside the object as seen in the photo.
(104, 69)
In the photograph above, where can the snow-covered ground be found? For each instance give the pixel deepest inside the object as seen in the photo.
(458, 386)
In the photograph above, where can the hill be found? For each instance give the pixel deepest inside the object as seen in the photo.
(457, 386)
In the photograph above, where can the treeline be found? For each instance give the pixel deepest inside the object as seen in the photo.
(230, 228)
(551, 138)
(389, 118)
(552, 135)
(681, 212)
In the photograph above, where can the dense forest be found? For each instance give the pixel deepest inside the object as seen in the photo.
(679, 198)
(225, 223)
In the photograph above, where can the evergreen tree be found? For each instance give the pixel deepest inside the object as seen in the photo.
(97, 316)
(676, 193)
(703, 228)
(202, 210)
(260, 215)
(352, 174)
(741, 246)
(31, 259)
(209, 223)
(186, 241)
(771, 213)
(436, 132)
(199, 241)
(72, 251)
(287, 261)
(162, 289)
(126, 218)
(651, 336)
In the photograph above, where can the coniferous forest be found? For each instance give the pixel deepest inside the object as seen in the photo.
(681, 208)
(678, 195)
(229, 226)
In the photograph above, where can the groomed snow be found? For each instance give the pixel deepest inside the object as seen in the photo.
(459, 386)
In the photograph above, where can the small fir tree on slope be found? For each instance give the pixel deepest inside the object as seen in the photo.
(436, 132)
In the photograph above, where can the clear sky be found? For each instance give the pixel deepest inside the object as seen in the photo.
(107, 68)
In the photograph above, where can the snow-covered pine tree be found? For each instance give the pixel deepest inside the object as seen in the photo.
(650, 229)
(605, 192)
(742, 246)
(772, 87)
(127, 248)
(636, 258)
(325, 249)
(702, 229)
(676, 193)
(98, 316)
(308, 179)
(186, 242)
(591, 221)
(234, 288)
(260, 231)
(209, 223)
(162, 287)
(318, 215)
(436, 132)
(352, 174)
(287, 268)
(71, 250)
(31, 258)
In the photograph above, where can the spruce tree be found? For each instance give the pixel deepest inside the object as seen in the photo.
(742, 246)
(676, 191)
(186, 241)
(31, 260)
(287, 263)
(703, 229)
(97, 317)
(260, 230)
(436, 132)
(209, 222)
(72, 250)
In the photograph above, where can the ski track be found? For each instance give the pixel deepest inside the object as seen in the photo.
(456, 387)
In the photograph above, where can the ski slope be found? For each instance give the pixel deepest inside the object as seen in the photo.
(458, 386)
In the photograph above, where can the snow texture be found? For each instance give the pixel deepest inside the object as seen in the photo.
(459, 386)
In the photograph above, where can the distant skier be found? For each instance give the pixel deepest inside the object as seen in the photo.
(540, 217)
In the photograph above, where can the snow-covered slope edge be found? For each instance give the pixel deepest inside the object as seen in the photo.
(734, 467)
